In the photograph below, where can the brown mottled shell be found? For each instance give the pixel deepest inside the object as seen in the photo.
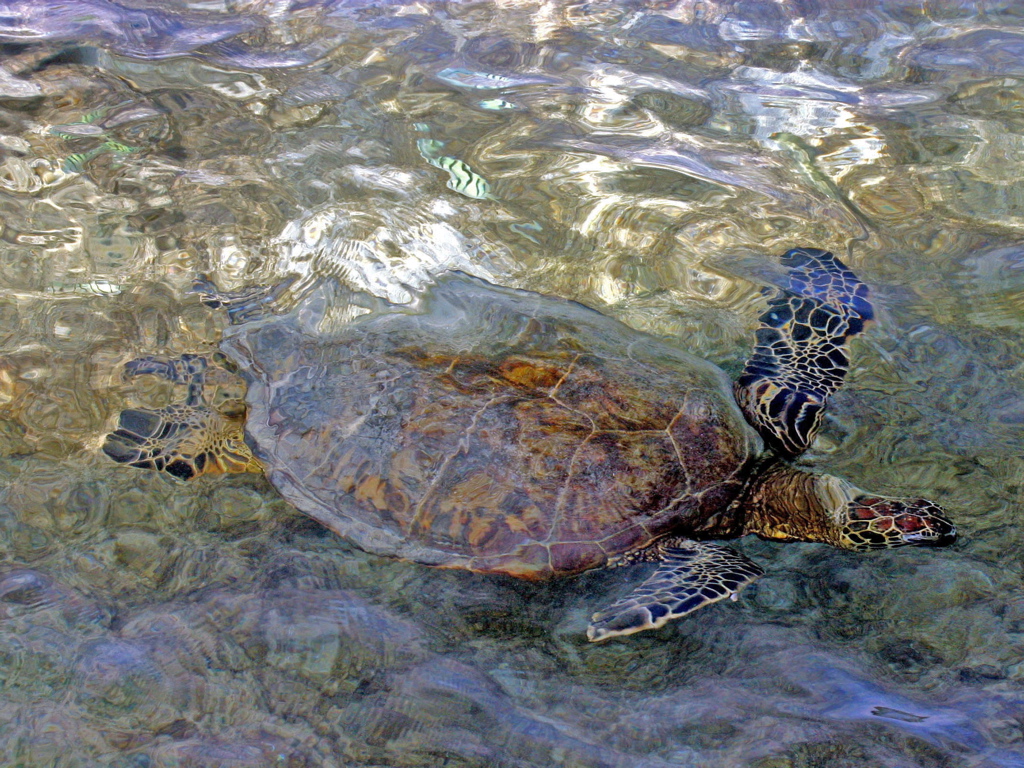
(491, 429)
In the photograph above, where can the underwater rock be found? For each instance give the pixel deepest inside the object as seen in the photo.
(35, 663)
(443, 707)
(121, 684)
(50, 734)
(327, 637)
(31, 594)
(256, 751)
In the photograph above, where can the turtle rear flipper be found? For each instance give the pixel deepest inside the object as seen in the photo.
(692, 574)
(802, 352)
(182, 440)
(185, 440)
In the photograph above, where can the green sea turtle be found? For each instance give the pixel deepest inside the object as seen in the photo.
(504, 431)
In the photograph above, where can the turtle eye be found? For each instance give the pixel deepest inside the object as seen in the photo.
(910, 523)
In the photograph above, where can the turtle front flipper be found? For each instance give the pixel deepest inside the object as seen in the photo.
(691, 574)
(183, 440)
(802, 352)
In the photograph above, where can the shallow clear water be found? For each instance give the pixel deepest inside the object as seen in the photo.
(647, 159)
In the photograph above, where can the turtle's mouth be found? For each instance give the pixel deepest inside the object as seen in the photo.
(942, 534)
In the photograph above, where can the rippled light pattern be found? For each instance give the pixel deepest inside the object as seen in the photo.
(646, 159)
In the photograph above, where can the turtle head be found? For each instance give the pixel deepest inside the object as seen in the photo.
(877, 522)
(789, 504)
(864, 521)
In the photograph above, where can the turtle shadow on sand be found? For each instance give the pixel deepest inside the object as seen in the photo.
(504, 431)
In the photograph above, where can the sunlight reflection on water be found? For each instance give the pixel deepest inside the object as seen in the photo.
(646, 159)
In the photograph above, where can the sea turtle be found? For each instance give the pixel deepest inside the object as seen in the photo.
(504, 431)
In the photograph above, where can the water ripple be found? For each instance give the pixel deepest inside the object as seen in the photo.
(648, 159)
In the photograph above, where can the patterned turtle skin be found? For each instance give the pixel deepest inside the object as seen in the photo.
(495, 430)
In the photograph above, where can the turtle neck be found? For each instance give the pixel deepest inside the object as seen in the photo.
(784, 503)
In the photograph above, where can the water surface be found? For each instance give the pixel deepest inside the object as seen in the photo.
(648, 159)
